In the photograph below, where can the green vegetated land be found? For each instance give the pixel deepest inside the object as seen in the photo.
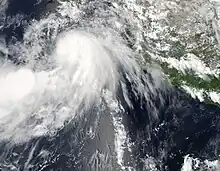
(190, 79)
(211, 83)
(202, 46)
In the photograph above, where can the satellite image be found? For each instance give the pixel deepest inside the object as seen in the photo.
(109, 85)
